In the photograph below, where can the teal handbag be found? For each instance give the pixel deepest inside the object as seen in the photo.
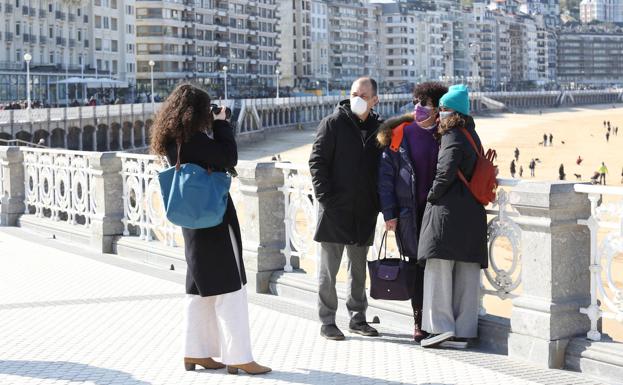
(194, 197)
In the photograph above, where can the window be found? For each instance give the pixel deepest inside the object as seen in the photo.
(51, 57)
(79, 35)
(113, 23)
(98, 44)
(98, 22)
(129, 10)
(106, 22)
(17, 28)
(130, 28)
(114, 46)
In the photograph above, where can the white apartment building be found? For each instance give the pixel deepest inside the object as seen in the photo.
(296, 43)
(60, 37)
(601, 10)
(320, 44)
(197, 39)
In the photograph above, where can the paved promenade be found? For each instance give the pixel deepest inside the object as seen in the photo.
(69, 316)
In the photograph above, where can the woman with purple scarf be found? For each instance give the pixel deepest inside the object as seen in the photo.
(406, 174)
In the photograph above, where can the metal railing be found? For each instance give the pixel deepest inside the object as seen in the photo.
(606, 228)
(59, 185)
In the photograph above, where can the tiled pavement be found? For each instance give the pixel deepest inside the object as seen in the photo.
(66, 317)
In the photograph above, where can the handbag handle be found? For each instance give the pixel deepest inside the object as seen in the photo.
(179, 150)
(384, 243)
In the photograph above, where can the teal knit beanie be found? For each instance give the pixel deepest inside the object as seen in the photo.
(457, 98)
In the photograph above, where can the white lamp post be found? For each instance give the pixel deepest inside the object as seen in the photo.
(278, 73)
(225, 80)
(27, 59)
(151, 71)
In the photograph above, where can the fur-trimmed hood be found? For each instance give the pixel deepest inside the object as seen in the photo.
(384, 136)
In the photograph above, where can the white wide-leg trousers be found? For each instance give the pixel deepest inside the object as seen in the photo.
(218, 326)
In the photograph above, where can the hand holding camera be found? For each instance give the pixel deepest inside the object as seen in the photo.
(220, 112)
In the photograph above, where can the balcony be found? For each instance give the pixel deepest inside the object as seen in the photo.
(61, 41)
(43, 13)
(60, 15)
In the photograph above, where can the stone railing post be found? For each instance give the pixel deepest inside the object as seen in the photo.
(261, 216)
(13, 187)
(555, 272)
(106, 222)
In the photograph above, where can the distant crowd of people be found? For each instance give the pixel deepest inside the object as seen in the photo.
(23, 104)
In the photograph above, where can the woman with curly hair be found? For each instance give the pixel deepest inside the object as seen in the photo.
(216, 316)
(406, 173)
(453, 239)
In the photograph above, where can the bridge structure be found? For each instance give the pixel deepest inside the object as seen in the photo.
(127, 126)
(557, 276)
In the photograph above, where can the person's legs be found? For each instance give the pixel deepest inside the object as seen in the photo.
(330, 258)
(232, 314)
(201, 335)
(465, 300)
(437, 313)
(356, 300)
(418, 292)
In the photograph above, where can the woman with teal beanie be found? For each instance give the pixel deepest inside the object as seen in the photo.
(453, 238)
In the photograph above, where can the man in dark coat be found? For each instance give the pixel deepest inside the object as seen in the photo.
(344, 170)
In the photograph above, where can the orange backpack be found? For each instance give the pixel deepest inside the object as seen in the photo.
(483, 184)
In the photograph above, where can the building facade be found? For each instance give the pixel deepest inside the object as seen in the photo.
(208, 42)
(65, 39)
(601, 10)
(590, 55)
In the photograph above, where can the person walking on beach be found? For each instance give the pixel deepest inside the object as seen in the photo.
(512, 168)
(608, 130)
(544, 140)
(453, 239)
(561, 172)
(551, 139)
(579, 160)
(603, 170)
(516, 154)
(406, 174)
(532, 166)
(521, 171)
(216, 321)
(604, 124)
(607, 137)
(344, 166)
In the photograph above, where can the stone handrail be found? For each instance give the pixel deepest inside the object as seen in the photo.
(606, 241)
(540, 218)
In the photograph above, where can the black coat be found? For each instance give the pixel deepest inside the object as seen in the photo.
(344, 170)
(209, 253)
(454, 226)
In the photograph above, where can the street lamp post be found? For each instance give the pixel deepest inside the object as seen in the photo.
(225, 79)
(151, 72)
(278, 73)
(27, 59)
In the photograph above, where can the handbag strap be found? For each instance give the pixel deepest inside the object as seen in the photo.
(179, 151)
(383, 246)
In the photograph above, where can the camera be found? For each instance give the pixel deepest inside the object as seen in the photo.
(217, 110)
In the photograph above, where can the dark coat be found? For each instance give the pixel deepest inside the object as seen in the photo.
(397, 186)
(454, 226)
(344, 170)
(212, 268)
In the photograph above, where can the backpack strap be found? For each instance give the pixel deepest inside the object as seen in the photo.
(478, 154)
(397, 135)
(471, 140)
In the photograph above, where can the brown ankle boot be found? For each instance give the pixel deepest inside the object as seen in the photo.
(208, 363)
(249, 368)
(418, 333)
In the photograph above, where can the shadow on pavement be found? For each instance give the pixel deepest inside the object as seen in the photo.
(317, 377)
(68, 371)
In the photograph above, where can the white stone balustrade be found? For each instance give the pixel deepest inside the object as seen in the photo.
(116, 195)
(606, 242)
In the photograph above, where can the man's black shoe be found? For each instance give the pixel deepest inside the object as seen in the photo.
(363, 328)
(331, 332)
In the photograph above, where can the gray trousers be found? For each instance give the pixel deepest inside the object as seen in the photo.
(356, 301)
(451, 297)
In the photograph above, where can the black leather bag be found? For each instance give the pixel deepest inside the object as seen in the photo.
(391, 278)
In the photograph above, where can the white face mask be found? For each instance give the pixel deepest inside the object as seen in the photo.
(445, 114)
(358, 106)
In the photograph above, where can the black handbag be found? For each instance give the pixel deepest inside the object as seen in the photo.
(391, 278)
